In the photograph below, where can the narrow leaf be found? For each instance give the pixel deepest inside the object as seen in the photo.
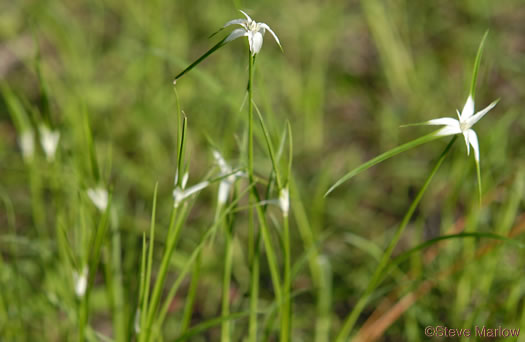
(476, 65)
(270, 148)
(382, 157)
(201, 58)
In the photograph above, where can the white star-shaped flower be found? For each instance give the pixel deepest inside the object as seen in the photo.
(251, 29)
(466, 119)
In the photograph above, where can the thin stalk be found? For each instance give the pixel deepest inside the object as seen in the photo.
(191, 296)
(376, 278)
(96, 243)
(286, 305)
(254, 294)
(270, 254)
(173, 233)
(226, 282)
(253, 249)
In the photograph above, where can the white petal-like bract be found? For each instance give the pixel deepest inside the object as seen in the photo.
(80, 282)
(49, 141)
(473, 140)
(27, 144)
(180, 195)
(284, 201)
(468, 109)
(99, 197)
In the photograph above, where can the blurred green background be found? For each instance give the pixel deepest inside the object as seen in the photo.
(351, 73)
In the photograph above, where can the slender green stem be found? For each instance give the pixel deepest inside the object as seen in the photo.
(191, 296)
(254, 294)
(376, 278)
(94, 257)
(270, 254)
(173, 233)
(286, 309)
(225, 325)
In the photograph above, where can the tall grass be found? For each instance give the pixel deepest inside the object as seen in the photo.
(241, 206)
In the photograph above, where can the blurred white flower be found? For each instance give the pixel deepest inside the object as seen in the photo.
(99, 197)
(466, 119)
(80, 281)
(284, 201)
(49, 141)
(251, 29)
(180, 194)
(27, 144)
(227, 182)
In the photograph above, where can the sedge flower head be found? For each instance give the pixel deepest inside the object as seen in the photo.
(253, 30)
(463, 125)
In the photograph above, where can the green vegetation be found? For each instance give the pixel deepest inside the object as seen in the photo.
(263, 196)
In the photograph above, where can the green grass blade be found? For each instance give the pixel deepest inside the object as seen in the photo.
(149, 261)
(382, 157)
(290, 151)
(476, 66)
(201, 58)
(405, 255)
(16, 109)
(196, 251)
(180, 155)
(202, 327)
(91, 147)
(142, 284)
(269, 145)
(191, 296)
(378, 274)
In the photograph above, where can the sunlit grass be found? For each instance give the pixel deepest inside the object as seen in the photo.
(119, 223)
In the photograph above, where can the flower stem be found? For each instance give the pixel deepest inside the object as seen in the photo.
(270, 254)
(254, 294)
(286, 312)
(376, 278)
(226, 281)
(176, 222)
(254, 288)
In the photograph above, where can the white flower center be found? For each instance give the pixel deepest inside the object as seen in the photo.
(253, 26)
(463, 126)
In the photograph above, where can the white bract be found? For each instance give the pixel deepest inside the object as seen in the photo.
(27, 144)
(180, 194)
(99, 197)
(226, 183)
(251, 29)
(284, 201)
(80, 280)
(466, 119)
(49, 141)
(183, 181)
